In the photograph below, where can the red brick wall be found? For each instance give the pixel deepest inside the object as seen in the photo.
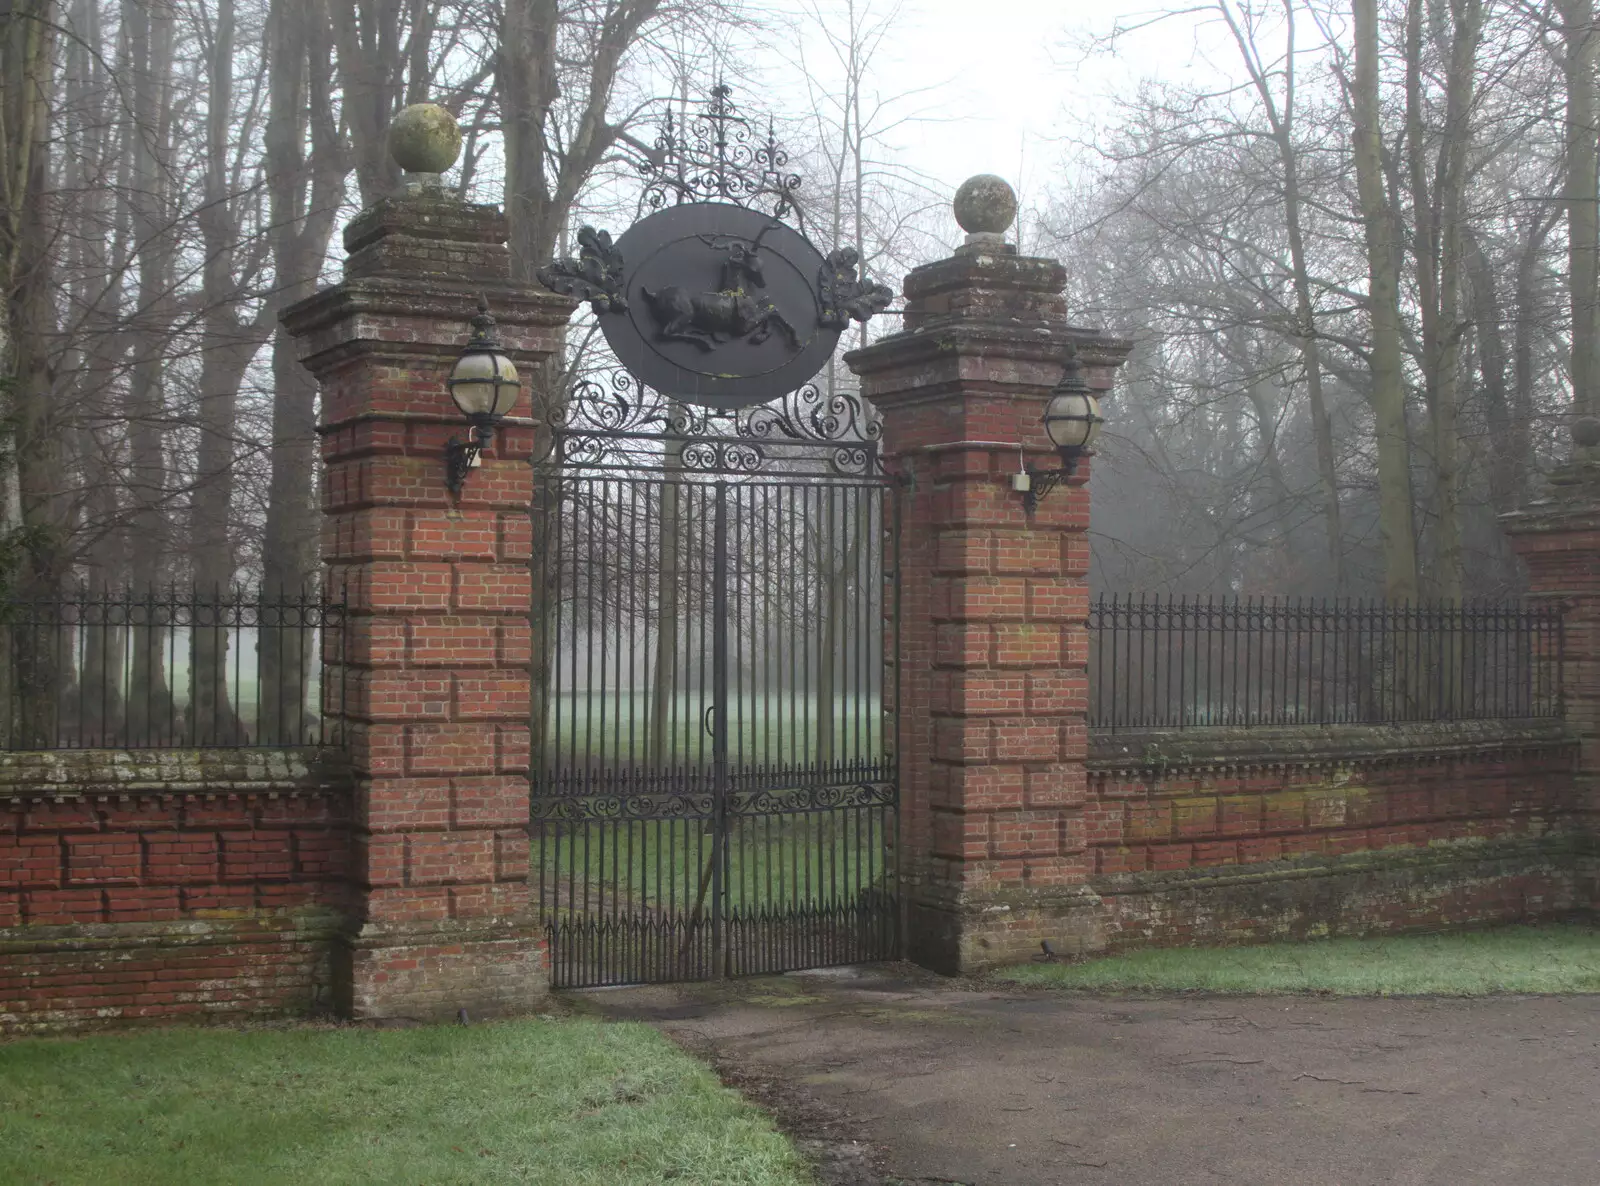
(1451, 830)
(1008, 844)
(130, 903)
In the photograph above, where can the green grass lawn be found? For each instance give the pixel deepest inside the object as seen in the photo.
(1472, 963)
(566, 1103)
(823, 858)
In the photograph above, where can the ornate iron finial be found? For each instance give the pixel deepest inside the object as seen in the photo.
(483, 325)
(716, 156)
(1072, 381)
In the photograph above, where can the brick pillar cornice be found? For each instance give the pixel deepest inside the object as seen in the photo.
(428, 235)
(994, 603)
(1571, 502)
(435, 669)
(369, 309)
(416, 268)
(985, 336)
(418, 324)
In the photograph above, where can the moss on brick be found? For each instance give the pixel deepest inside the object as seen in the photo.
(1162, 752)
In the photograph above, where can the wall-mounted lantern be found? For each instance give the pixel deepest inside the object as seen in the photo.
(1072, 421)
(485, 387)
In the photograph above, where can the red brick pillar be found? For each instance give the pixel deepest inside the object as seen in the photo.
(1558, 537)
(993, 602)
(436, 708)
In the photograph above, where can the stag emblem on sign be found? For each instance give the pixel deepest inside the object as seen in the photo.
(734, 312)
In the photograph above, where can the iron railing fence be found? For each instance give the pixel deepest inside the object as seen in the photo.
(159, 668)
(1183, 662)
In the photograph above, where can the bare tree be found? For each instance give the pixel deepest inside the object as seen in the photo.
(1281, 112)
(1580, 45)
(27, 46)
(1384, 254)
(306, 162)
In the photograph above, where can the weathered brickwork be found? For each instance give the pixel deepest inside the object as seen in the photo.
(993, 605)
(164, 885)
(1254, 834)
(439, 587)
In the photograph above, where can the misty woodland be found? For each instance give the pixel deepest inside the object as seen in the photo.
(1358, 265)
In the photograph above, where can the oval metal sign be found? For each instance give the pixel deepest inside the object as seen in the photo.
(717, 305)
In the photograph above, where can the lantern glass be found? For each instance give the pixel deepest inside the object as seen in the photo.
(484, 384)
(1072, 420)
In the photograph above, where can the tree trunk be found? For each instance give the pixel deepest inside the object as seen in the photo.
(29, 548)
(371, 67)
(541, 186)
(1582, 189)
(99, 256)
(1383, 244)
(1523, 338)
(1439, 250)
(151, 711)
(226, 349)
(303, 194)
(1487, 317)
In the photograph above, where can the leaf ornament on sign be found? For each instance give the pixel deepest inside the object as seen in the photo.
(595, 276)
(843, 298)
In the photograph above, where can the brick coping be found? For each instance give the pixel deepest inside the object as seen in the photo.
(304, 923)
(77, 774)
(1562, 846)
(1169, 751)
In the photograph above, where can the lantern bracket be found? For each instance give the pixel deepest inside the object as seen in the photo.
(461, 457)
(1041, 481)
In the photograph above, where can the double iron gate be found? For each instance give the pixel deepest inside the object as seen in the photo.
(714, 771)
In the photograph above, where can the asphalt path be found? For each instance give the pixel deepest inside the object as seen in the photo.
(891, 1075)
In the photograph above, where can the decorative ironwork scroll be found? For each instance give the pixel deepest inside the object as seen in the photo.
(615, 422)
(717, 155)
(623, 803)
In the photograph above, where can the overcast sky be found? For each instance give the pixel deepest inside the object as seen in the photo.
(1014, 85)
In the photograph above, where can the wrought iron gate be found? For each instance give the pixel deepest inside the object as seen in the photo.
(714, 764)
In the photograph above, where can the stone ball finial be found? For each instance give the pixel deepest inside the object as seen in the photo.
(985, 205)
(425, 138)
(1586, 432)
